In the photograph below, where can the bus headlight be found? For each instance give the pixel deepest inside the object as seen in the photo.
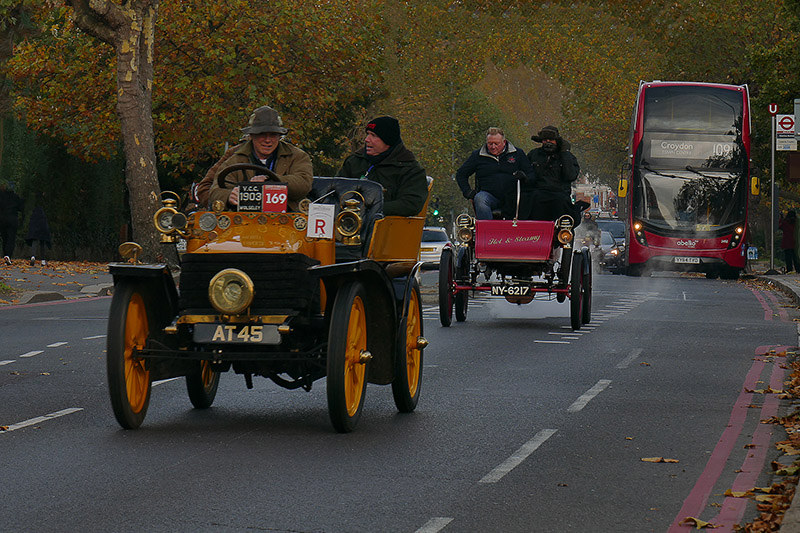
(736, 238)
(638, 232)
(231, 291)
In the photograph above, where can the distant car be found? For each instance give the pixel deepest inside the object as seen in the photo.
(614, 260)
(614, 227)
(434, 240)
(607, 242)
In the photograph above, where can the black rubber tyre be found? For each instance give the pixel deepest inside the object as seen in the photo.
(461, 304)
(576, 291)
(446, 277)
(563, 274)
(408, 359)
(729, 273)
(636, 270)
(202, 385)
(129, 324)
(347, 373)
(586, 313)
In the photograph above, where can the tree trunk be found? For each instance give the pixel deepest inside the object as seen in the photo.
(130, 29)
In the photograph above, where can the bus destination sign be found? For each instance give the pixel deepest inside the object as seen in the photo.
(681, 149)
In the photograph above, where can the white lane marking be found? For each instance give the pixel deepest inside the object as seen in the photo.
(628, 360)
(516, 459)
(94, 337)
(162, 381)
(568, 337)
(7, 362)
(586, 397)
(32, 421)
(56, 344)
(552, 342)
(434, 525)
(31, 354)
(561, 333)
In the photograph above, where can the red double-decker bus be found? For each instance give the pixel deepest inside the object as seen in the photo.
(687, 183)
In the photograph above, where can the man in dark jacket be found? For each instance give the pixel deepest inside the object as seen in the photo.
(10, 207)
(385, 159)
(556, 168)
(497, 166)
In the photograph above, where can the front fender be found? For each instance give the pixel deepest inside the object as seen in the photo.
(157, 277)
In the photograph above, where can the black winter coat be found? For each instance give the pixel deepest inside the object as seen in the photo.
(10, 206)
(494, 175)
(38, 229)
(555, 172)
(405, 185)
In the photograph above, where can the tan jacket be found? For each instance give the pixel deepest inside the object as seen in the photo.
(293, 166)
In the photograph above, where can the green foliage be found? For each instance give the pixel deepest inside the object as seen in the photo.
(448, 70)
(82, 201)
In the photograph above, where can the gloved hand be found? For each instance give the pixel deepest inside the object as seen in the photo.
(471, 194)
(521, 176)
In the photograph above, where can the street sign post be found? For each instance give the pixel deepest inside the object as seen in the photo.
(785, 140)
(773, 110)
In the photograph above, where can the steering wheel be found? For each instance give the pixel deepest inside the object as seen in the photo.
(222, 182)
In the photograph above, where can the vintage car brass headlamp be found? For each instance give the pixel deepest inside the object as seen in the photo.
(351, 217)
(464, 235)
(231, 291)
(466, 227)
(564, 225)
(168, 220)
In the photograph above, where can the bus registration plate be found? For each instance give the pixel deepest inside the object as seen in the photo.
(237, 333)
(688, 260)
(510, 290)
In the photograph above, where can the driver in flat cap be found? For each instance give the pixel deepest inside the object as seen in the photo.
(264, 147)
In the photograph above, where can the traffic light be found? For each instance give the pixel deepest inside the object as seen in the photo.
(435, 206)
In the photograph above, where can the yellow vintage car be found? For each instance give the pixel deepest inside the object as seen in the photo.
(328, 292)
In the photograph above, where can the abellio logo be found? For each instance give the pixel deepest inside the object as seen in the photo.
(687, 243)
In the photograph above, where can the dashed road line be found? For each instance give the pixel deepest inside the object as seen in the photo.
(551, 342)
(628, 360)
(587, 396)
(94, 337)
(517, 457)
(38, 419)
(434, 525)
(56, 344)
(32, 353)
(7, 362)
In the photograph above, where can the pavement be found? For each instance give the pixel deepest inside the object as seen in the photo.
(21, 283)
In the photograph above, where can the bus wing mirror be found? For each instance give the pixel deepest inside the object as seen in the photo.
(754, 185)
(622, 188)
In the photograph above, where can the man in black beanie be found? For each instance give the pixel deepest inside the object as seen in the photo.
(385, 159)
(556, 168)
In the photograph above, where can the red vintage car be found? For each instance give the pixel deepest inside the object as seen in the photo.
(519, 260)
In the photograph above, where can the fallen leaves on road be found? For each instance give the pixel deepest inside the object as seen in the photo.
(699, 524)
(775, 500)
(659, 460)
(768, 390)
